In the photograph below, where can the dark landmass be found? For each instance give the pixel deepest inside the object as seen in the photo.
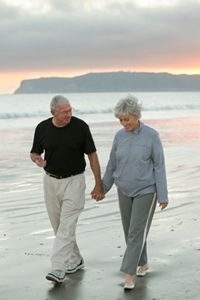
(112, 82)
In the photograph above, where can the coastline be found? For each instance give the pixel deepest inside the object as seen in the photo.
(26, 235)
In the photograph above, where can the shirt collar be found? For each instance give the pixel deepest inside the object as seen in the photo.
(137, 131)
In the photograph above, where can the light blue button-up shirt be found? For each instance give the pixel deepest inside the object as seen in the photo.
(136, 164)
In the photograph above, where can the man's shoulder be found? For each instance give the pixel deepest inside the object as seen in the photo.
(78, 121)
(44, 123)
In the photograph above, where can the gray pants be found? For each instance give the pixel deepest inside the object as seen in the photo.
(136, 213)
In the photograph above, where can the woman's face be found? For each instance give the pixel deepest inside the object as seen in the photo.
(129, 122)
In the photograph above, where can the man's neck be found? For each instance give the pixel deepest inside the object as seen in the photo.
(57, 124)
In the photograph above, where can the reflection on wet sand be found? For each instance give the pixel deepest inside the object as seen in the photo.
(26, 235)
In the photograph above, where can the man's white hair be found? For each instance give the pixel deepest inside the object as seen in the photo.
(59, 99)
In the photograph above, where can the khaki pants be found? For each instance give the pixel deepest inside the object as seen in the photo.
(65, 199)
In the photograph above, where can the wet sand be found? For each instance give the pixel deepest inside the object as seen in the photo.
(174, 242)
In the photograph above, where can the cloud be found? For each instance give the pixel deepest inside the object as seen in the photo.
(86, 34)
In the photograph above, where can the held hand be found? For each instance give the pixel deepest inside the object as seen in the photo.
(163, 205)
(40, 162)
(97, 193)
(97, 196)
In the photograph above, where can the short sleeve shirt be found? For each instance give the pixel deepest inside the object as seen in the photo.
(63, 147)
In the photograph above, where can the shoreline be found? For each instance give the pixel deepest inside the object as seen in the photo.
(26, 235)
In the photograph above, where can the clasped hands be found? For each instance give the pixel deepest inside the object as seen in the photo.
(98, 192)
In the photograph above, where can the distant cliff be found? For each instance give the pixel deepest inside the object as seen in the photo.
(112, 82)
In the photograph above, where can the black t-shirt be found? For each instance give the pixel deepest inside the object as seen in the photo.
(63, 147)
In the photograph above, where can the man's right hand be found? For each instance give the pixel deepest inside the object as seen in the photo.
(40, 162)
(98, 193)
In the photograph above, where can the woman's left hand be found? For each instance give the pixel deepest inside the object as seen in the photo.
(163, 205)
(98, 193)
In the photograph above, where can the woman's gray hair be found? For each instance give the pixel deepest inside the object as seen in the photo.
(59, 99)
(128, 106)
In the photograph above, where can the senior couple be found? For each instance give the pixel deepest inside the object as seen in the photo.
(136, 166)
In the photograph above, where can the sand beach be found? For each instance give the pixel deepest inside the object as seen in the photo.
(174, 240)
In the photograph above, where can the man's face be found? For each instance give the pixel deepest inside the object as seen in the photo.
(62, 114)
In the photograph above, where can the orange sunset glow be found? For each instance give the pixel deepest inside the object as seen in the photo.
(77, 37)
(9, 82)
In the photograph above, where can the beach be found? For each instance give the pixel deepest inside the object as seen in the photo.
(26, 236)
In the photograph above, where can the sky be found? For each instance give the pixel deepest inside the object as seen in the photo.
(65, 38)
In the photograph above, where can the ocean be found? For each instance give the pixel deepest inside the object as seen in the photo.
(176, 116)
(26, 235)
(26, 110)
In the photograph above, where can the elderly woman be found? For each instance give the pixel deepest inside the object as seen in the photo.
(137, 168)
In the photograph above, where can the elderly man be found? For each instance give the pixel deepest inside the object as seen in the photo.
(64, 139)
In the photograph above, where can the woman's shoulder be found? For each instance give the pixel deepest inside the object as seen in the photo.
(120, 132)
(148, 129)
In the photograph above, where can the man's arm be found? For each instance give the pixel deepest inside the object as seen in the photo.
(97, 193)
(36, 158)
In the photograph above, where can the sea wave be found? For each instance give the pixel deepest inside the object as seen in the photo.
(18, 115)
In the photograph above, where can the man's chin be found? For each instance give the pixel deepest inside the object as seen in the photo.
(66, 121)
